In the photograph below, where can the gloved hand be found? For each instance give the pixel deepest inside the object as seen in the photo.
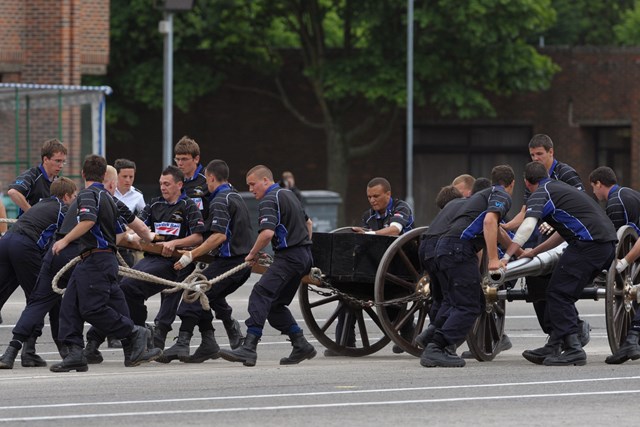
(621, 265)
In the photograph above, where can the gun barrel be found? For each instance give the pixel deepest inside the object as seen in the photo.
(539, 265)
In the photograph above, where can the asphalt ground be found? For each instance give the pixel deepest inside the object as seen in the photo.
(380, 389)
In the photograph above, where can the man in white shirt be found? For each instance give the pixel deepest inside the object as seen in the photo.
(125, 191)
(133, 198)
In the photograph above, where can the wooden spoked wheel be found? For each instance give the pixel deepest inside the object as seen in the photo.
(484, 337)
(400, 276)
(620, 307)
(362, 333)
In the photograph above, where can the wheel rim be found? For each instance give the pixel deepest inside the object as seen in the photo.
(369, 335)
(400, 275)
(619, 303)
(485, 335)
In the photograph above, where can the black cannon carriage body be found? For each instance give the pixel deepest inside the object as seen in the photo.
(371, 283)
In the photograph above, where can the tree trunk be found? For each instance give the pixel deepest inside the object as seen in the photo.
(338, 169)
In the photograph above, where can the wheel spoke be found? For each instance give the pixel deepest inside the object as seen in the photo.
(411, 269)
(410, 286)
(362, 327)
(324, 301)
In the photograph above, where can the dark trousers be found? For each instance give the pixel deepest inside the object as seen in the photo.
(218, 292)
(276, 288)
(169, 302)
(463, 297)
(93, 295)
(427, 252)
(43, 299)
(578, 266)
(20, 262)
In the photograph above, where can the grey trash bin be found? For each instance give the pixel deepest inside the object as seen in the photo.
(322, 207)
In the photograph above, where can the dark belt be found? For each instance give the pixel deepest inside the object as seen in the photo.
(85, 254)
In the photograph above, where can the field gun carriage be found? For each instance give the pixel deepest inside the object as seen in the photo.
(376, 283)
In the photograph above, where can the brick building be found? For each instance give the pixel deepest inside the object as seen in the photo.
(49, 42)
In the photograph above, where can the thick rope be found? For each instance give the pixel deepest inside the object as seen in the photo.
(194, 286)
(8, 220)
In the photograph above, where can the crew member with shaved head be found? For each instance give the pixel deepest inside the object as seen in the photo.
(281, 221)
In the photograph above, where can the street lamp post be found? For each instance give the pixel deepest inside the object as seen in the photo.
(409, 198)
(166, 28)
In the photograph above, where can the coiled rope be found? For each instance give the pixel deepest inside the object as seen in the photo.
(194, 286)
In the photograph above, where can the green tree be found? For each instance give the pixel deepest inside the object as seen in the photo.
(628, 30)
(353, 55)
(586, 22)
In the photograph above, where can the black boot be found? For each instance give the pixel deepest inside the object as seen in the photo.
(435, 355)
(113, 342)
(572, 353)
(135, 345)
(75, 361)
(29, 358)
(160, 332)
(92, 353)
(9, 357)
(628, 350)
(234, 333)
(62, 349)
(302, 350)
(426, 336)
(246, 353)
(208, 349)
(584, 332)
(551, 348)
(180, 350)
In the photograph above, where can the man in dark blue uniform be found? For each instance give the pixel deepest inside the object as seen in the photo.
(176, 218)
(93, 294)
(33, 185)
(591, 239)
(283, 222)
(623, 208)
(474, 227)
(387, 216)
(541, 150)
(449, 201)
(187, 158)
(229, 227)
(21, 252)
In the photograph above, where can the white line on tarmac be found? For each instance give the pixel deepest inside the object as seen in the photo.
(327, 393)
(317, 406)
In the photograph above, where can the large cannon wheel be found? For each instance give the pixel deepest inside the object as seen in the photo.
(398, 276)
(619, 307)
(484, 337)
(369, 334)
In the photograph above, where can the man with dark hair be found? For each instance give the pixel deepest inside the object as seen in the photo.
(623, 208)
(176, 218)
(21, 252)
(448, 200)
(33, 185)
(591, 239)
(93, 294)
(474, 227)
(541, 150)
(387, 216)
(283, 222)
(480, 184)
(187, 158)
(230, 240)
